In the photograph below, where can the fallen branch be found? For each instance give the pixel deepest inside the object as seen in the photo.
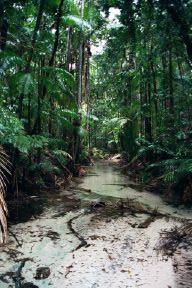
(15, 237)
(83, 242)
(17, 275)
(82, 189)
(147, 222)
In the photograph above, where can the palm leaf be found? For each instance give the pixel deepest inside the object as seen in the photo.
(4, 168)
(76, 21)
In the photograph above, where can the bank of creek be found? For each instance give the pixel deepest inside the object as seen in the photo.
(99, 232)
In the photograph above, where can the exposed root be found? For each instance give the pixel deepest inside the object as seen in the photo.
(68, 270)
(135, 207)
(153, 216)
(170, 240)
(147, 222)
(16, 276)
(82, 189)
(15, 237)
(83, 242)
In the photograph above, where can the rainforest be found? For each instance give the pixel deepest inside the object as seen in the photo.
(95, 143)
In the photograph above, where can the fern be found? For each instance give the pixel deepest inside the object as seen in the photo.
(62, 157)
(26, 83)
(60, 74)
(174, 169)
(8, 61)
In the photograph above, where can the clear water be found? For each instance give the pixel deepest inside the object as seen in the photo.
(118, 255)
(105, 180)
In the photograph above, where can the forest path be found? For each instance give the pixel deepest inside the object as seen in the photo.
(110, 240)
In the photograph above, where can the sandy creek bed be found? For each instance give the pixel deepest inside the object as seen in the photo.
(42, 252)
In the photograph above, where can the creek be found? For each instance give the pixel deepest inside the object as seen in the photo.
(94, 234)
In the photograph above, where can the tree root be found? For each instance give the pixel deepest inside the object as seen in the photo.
(147, 222)
(82, 189)
(83, 242)
(17, 278)
(16, 239)
(153, 215)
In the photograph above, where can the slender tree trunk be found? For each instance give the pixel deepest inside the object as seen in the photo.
(164, 82)
(171, 99)
(87, 90)
(148, 118)
(3, 26)
(40, 91)
(53, 55)
(69, 46)
(175, 10)
(34, 37)
(79, 95)
(153, 72)
(142, 102)
(80, 72)
(31, 52)
(57, 33)
(29, 114)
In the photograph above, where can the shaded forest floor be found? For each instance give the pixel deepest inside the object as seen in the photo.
(100, 232)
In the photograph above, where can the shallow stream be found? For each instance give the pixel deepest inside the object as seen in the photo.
(90, 236)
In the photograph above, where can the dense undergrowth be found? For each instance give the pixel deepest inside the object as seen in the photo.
(144, 101)
(165, 170)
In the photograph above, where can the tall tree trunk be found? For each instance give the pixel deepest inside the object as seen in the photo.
(40, 92)
(153, 72)
(34, 37)
(171, 99)
(175, 10)
(68, 50)
(29, 114)
(154, 80)
(80, 72)
(3, 26)
(164, 81)
(57, 32)
(148, 118)
(53, 55)
(80, 77)
(87, 89)
(31, 52)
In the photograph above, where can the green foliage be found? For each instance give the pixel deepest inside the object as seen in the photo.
(12, 132)
(175, 169)
(175, 166)
(133, 96)
(10, 126)
(44, 167)
(62, 156)
(26, 83)
(76, 21)
(142, 92)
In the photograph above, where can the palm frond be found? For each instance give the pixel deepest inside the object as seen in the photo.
(77, 21)
(4, 169)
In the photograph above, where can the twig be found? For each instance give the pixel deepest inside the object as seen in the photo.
(17, 275)
(16, 239)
